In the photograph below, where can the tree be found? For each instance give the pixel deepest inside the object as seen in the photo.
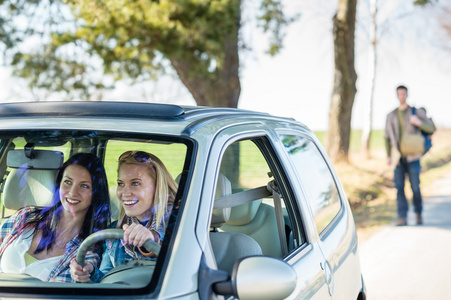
(444, 22)
(338, 135)
(372, 64)
(374, 37)
(344, 86)
(89, 45)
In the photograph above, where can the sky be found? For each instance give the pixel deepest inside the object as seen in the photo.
(297, 83)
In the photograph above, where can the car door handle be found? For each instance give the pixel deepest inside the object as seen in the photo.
(325, 266)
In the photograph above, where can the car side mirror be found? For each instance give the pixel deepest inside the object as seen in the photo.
(259, 277)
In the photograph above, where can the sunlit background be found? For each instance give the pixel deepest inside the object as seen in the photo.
(297, 83)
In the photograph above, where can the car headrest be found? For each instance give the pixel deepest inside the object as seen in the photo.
(28, 187)
(223, 188)
(115, 204)
(31, 180)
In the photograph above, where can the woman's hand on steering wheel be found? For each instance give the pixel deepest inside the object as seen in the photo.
(79, 273)
(137, 234)
(150, 245)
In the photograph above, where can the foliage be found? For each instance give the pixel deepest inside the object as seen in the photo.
(422, 2)
(272, 19)
(85, 45)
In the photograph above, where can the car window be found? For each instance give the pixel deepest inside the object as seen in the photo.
(249, 169)
(318, 182)
(173, 154)
(30, 162)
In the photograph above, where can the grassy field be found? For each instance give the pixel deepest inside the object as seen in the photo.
(368, 182)
(173, 156)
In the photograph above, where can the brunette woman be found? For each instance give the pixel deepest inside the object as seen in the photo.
(40, 241)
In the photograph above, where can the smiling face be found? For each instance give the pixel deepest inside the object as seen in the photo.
(76, 190)
(136, 190)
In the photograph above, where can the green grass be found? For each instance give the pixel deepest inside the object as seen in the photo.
(252, 160)
(172, 155)
(252, 163)
(368, 182)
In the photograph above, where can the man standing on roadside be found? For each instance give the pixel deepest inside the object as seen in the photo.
(401, 121)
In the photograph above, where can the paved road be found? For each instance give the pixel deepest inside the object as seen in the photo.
(412, 262)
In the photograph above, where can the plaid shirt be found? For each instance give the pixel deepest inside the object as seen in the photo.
(13, 227)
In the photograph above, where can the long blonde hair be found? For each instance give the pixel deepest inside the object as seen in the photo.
(165, 185)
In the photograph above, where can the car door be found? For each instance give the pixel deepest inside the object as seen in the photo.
(258, 158)
(332, 218)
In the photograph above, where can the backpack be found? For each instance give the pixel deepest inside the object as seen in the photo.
(427, 136)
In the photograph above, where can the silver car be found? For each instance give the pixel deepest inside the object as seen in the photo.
(259, 212)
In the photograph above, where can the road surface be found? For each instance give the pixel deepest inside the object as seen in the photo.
(412, 262)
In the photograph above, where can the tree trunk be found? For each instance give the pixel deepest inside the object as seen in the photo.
(372, 60)
(345, 77)
(222, 88)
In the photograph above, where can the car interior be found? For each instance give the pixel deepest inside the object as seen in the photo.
(228, 247)
(29, 163)
(250, 216)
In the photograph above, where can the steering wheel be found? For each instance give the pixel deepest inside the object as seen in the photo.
(150, 245)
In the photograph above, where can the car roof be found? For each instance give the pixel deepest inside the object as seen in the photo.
(194, 117)
(90, 109)
(111, 109)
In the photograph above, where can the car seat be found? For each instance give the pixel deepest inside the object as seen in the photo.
(31, 180)
(257, 220)
(115, 204)
(228, 247)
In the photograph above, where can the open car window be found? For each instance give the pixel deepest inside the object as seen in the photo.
(29, 165)
(258, 216)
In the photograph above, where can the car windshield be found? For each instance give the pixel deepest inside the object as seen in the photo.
(59, 187)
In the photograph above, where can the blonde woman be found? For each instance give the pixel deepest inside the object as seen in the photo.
(146, 191)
